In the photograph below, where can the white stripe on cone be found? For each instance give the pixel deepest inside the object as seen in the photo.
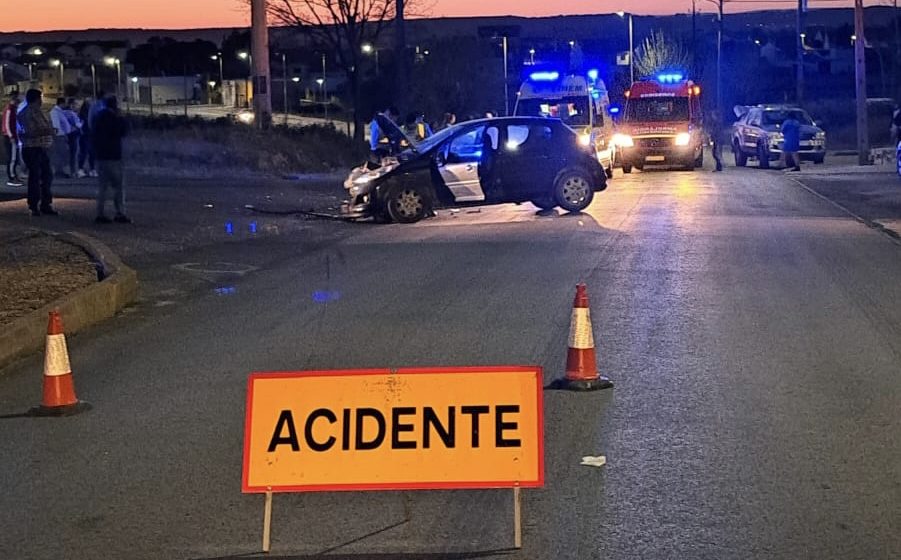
(56, 358)
(581, 336)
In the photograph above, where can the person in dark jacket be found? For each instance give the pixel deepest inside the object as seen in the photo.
(108, 130)
(791, 144)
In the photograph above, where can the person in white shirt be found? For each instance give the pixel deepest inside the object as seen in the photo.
(60, 150)
(74, 136)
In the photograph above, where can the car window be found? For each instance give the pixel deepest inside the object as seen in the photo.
(754, 119)
(528, 137)
(470, 146)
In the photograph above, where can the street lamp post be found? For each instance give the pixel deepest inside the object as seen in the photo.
(243, 55)
(218, 57)
(506, 82)
(324, 90)
(369, 48)
(59, 63)
(285, 85)
(531, 57)
(94, 79)
(631, 46)
(110, 61)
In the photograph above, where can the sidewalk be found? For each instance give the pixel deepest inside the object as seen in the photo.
(871, 192)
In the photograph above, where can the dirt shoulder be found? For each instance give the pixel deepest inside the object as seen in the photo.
(36, 269)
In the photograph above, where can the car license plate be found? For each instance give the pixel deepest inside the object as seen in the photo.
(655, 158)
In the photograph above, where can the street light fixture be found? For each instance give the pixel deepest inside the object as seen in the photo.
(295, 79)
(244, 55)
(631, 46)
(531, 57)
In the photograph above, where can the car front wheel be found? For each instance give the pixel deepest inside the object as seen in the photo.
(741, 159)
(573, 190)
(544, 203)
(407, 203)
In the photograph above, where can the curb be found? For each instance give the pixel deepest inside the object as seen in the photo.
(118, 286)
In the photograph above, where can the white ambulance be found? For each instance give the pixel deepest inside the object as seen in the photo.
(581, 102)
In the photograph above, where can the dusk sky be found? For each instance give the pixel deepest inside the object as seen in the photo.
(173, 14)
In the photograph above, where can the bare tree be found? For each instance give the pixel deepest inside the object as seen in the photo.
(659, 52)
(342, 26)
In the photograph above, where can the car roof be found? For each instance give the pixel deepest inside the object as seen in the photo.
(779, 107)
(513, 120)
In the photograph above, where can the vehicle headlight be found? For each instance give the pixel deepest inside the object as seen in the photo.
(584, 139)
(683, 138)
(777, 137)
(623, 140)
(360, 179)
(821, 135)
(245, 118)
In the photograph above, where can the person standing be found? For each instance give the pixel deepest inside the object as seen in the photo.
(716, 133)
(60, 149)
(895, 128)
(379, 143)
(791, 143)
(11, 141)
(108, 128)
(36, 135)
(74, 135)
(85, 148)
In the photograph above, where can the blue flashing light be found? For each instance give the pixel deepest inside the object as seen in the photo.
(595, 94)
(593, 74)
(544, 76)
(614, 109)
(229, 228)
(670, 78)
(252, 227)
(325, 296)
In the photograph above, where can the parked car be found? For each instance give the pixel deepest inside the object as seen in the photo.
(757, 134)
(487, 161)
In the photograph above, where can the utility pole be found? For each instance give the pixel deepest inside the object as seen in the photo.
(694, 36)
(799, 41)
(259, 42)
(400, 53)
(719, 61)
(860, 71)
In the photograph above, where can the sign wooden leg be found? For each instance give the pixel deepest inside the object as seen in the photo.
(517, 517)
(267, 522)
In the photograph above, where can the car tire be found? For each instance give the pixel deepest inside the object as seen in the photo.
(763, 156)
(407, 204)
(699, 161)
(741, 159)
(609, 171)
(544, 203)
(819, 160)
(573, 190)
(627, 168)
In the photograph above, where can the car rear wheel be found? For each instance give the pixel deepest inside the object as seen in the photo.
(819, 160)
(573, 190)
(741, 159)
(407, 203)
(627, 168)
(763, 156)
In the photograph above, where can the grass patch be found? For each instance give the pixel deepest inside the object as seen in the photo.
(197, 147)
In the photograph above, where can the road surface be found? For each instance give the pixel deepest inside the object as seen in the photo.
(752, 329)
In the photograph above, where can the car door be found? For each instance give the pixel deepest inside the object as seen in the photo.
(528, 167)
(753, 132)
(465, 161)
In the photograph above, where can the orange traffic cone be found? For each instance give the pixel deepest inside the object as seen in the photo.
(581, 363)
(59, 389)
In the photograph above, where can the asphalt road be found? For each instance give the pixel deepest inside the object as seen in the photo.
(753, 331)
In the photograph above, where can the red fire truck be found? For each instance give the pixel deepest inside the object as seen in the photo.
(662, 124)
